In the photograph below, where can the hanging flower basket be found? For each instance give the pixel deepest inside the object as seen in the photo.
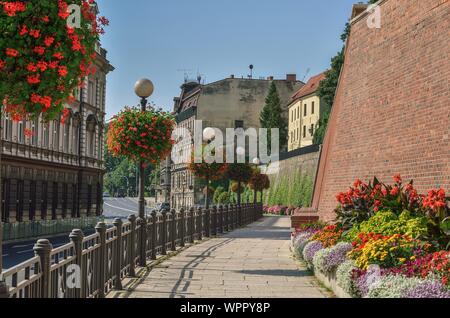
(42, 57)
(208, 171)
(141, 136)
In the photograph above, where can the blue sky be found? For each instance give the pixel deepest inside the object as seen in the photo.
(159, 39)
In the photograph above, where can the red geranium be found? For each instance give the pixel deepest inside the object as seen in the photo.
(39, 54)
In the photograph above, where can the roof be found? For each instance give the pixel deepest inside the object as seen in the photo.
(311, 86)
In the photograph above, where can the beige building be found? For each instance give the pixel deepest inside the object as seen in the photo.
(229, 103)
(304, 114)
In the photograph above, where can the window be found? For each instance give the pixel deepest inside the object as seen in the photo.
(75, 137)
(66, 136)
(91, 93)
(56, 134)
(304, 131)
(305, 110)
(312, 129)
(20, 132)
(312, 108)
(35, 132)
(45, 135)
(238, 124)
(8, 128)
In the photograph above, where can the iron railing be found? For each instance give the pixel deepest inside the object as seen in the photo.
(90, 267)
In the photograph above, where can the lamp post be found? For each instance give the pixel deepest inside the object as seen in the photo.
(208, 136)
(256, 162)
(143, 89)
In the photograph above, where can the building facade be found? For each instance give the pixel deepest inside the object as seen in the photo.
(229, 103)
(304, 114)
(56, 172)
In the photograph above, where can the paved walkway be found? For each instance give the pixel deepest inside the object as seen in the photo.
(251, 262)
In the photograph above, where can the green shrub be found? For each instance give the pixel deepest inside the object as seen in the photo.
(388, 223)
(224, 198)
(217, 194)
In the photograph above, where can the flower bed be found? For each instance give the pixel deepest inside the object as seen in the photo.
(381, 249)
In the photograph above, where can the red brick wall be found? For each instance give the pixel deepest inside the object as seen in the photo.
(392, 109)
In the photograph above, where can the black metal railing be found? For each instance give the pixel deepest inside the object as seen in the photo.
(90, 267)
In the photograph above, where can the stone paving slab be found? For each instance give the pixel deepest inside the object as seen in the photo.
(252, 262)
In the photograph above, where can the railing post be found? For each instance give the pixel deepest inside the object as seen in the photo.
(119, 254)
(131, 245)
(191, 225)
(173, 230)
(200, 223)
(183, 227)
(231, 212)
(42, 249)
(207, 222)
(142, 243)
(239, 213)
(214, 221)
(154, 235)
(164, 233)
(226, 210)
(76, 237)
(100, 228)
(220, 215)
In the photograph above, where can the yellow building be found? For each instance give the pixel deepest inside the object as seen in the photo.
(304, 114)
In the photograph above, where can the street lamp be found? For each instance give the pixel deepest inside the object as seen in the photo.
(144, 89)
(208, 136)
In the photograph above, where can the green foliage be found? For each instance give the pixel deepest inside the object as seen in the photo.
(224, 198)
(388, 223)
(327, 89)
(290, 190)
(271, 115)
(217, 193)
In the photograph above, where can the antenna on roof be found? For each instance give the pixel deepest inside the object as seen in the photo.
(187, 73)
(251, 71)
(306, 74)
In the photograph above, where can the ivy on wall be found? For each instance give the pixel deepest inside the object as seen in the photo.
(290, 190)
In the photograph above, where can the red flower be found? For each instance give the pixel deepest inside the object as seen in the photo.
(33, 79)
(46, 19)
(23, 30)
(398, 179)
(2, 64)
(11, 8)
(62, 71)
(28, 133)
(42, 65)
(35, 33)
(39, 50)
(12, 52)
(395, 190)
(58, 55)
(49, 40)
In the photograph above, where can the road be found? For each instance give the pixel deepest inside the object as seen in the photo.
(16, 253)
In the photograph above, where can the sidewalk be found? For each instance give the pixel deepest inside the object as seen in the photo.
(250, 262)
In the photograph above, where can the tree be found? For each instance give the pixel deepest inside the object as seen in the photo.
(208, 172)
(271, 116)
(258, 183)
(327, 88)
(241, 173)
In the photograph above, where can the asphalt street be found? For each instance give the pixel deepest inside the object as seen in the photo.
(16, 253)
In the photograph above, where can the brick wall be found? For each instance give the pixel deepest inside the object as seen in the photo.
(392, 108)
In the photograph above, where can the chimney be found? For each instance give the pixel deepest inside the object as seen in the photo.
(358, 9)
(270, 78)
(232, 76)
(291, 77)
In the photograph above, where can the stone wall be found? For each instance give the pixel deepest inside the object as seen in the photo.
(391, 113)
(301, 162)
